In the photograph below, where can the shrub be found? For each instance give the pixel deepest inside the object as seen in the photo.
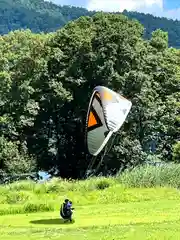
(176, 152)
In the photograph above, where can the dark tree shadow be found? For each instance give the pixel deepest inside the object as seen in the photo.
(52, 221)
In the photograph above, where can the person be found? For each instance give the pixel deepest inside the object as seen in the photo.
(66, 210)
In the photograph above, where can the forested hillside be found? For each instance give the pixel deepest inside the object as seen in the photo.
(46, 83)
(152, 23)
(38, 16)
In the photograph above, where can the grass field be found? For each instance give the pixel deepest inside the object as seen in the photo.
(138, 220)
(105, 208)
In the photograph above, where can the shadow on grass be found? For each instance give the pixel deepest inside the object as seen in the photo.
(51, 221)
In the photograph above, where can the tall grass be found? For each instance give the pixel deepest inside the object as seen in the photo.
(152, 176)
(143, 183)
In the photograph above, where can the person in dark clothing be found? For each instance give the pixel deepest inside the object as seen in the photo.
(66, 210)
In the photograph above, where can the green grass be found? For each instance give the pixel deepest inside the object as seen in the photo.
(15, 202)
(131, 186)
(139, 204)
(150, 176)
(138, 220)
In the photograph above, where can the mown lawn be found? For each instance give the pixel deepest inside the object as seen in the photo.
(134, 220)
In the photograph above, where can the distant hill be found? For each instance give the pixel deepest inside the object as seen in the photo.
(41, 16)
(152, 23)
(36, 15)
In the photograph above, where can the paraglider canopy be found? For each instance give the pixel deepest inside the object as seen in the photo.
(107, 112)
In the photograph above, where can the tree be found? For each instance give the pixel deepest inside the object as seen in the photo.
(47, 81)
(19, 58)
(94, 51)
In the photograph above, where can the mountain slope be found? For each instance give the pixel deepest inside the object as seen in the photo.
(36, 15)
(42, 16)
(152, 23)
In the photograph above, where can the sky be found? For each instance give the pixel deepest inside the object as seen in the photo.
(161, 8)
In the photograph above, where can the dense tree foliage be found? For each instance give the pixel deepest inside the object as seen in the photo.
(46, 82)
(44, 16)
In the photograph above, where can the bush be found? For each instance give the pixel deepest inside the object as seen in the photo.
(176, 152)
